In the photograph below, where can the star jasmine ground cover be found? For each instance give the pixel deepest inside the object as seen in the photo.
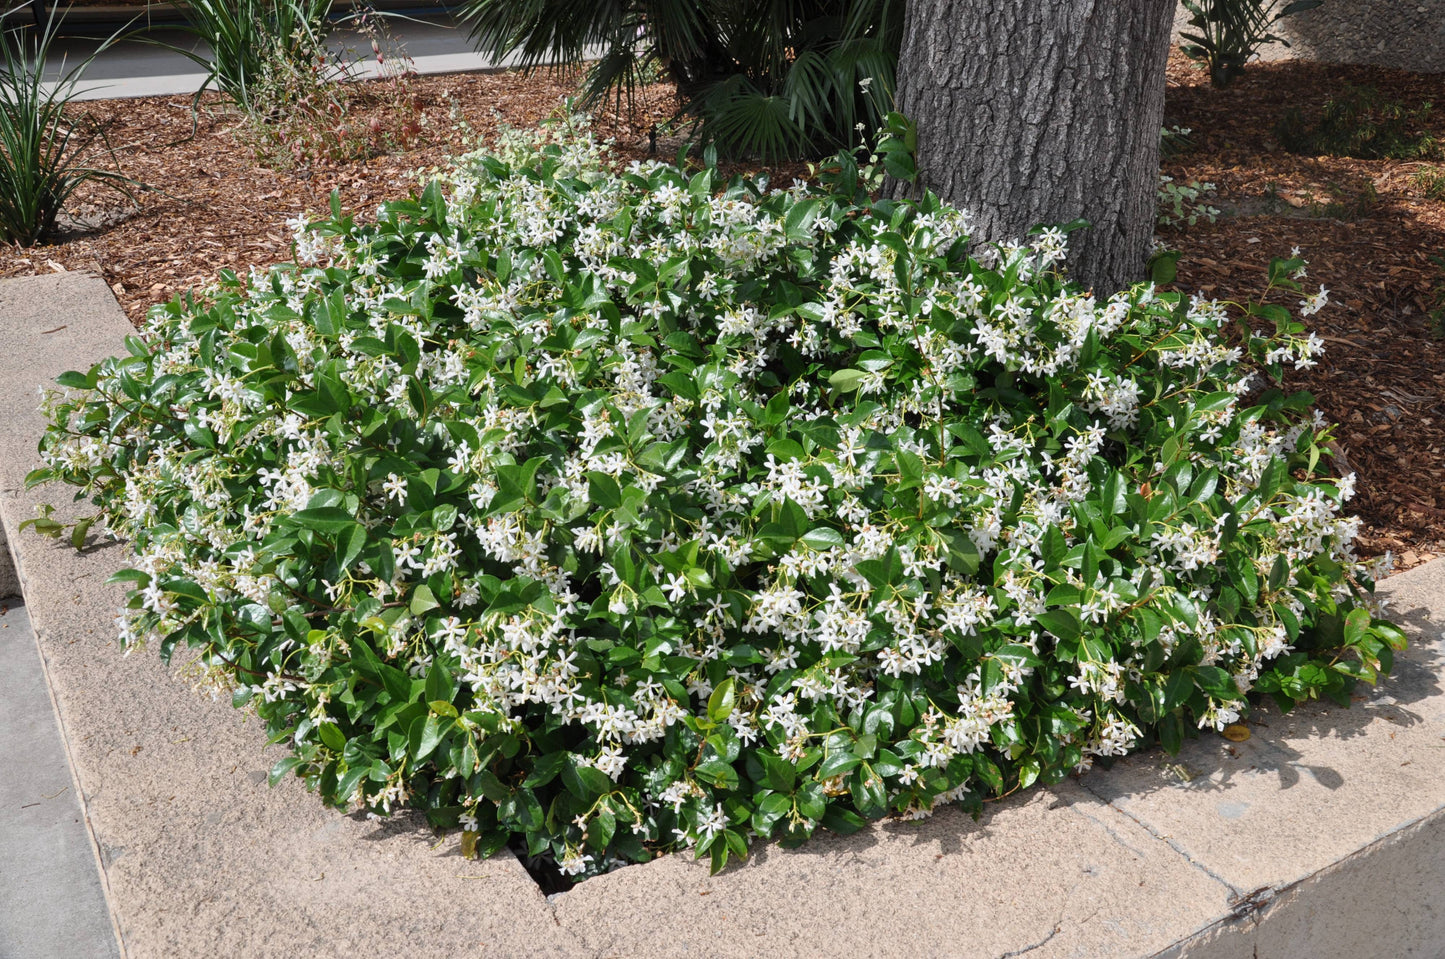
(607, 512)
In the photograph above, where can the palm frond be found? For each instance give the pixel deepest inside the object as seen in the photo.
(741, 120)
(677, 29)
(809, 89)
(865, 73)
(804, 71)
(543, 31)
(618, 71)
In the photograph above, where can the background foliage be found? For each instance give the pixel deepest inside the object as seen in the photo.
(244, 36)
(43, 150)
(772, 78)
(1228, 32)
(1361, 123)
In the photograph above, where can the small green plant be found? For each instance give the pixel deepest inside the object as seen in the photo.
(1184, 204)
(1346, 206)
(304, 106)
(1360, 123)
(44, 144)
(610, 512)
(1430, 181)
(1231, 31)
(1175, 141)
(1437, 308)
(243, 35)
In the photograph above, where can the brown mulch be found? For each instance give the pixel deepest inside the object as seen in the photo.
(210, 204)
(1369, 230)
(1366, 227)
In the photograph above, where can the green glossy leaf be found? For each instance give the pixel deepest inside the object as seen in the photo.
(723, 700)
(423, 600)
(325, 519)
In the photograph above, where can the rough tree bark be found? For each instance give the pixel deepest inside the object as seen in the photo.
(1043, 111)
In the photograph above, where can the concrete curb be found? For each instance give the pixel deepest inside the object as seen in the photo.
(1321, 836)
(9, 578)
(46, 847)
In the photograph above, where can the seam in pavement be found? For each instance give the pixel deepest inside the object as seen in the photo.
(1243, 910)
(80, 795)
(1112, 833)
(1167, 840)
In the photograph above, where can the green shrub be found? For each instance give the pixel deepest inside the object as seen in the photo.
(272, 60)
(773, 79)
(1360, 123)
(1231, 31)
(1437, 305)
(245, 35)
(1430, 181)
(43, 143)
(608, 513)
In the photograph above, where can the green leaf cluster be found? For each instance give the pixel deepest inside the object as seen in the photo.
(774, 79)
(604, 513)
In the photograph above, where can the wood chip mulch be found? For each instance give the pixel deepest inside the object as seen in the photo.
(209, 203)
(1368, 228)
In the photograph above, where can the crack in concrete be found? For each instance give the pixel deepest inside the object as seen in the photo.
(1253, 905)
(1114, 835)
(1032, 946)
(1058, 927)
(1167, 840)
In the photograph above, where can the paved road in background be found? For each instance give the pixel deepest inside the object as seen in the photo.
(136, 68)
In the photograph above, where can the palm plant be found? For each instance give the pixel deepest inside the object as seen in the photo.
(42, 150)
(1230, 31)
(772, 78)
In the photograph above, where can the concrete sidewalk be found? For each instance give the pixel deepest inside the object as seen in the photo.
(1321, 837)
(52, 905)
(137, 68)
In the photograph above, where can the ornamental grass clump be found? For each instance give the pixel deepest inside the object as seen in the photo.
(44, 142)
(245, 36)
(607, 513)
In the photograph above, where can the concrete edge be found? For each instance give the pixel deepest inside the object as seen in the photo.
(1217, 936)
(75, 784)
(13, 582)
(1259, 906)
(9, 574)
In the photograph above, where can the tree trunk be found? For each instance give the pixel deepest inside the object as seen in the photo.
(1041, 112)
